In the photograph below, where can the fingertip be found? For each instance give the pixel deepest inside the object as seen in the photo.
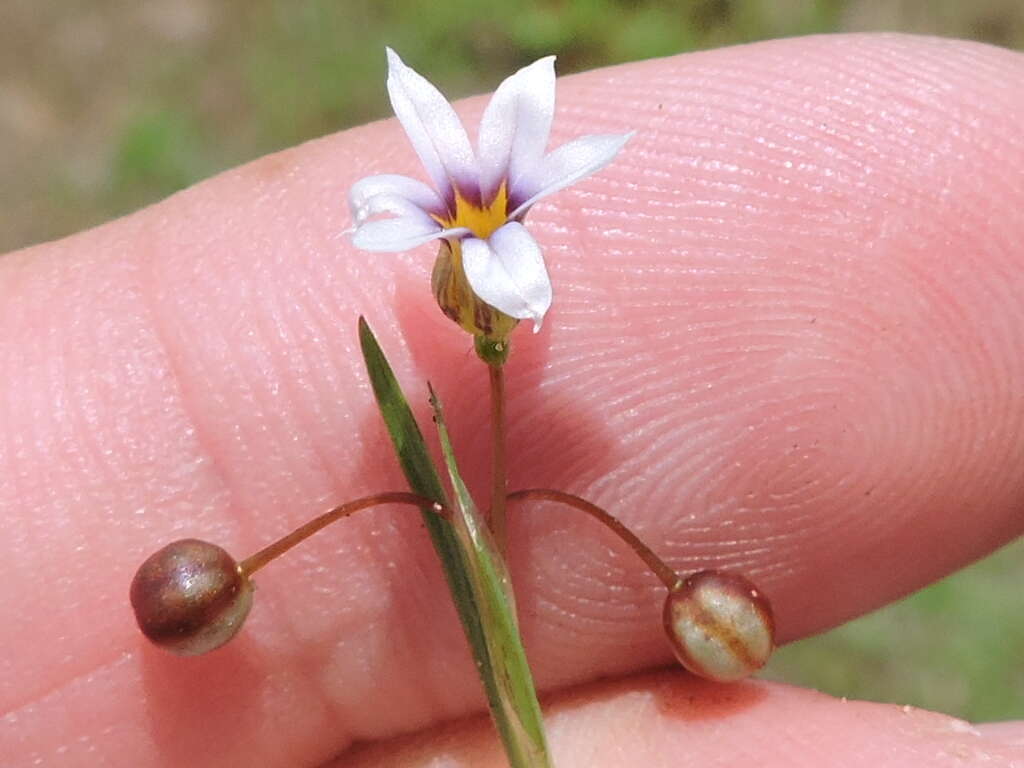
(1009, 733)
(668, 719)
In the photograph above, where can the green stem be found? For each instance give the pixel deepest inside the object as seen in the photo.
(667, 574)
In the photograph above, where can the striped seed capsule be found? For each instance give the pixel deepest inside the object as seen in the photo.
(720, 625)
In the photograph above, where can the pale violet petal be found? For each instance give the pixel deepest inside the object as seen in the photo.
(565, 166)
(411, 227)
(394, 235)
(515, 126)
(433, 128)
(400, 234)
(416, 192)
(507, 271)
(395, 205)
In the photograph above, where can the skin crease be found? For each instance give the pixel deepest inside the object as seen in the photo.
(786, 339)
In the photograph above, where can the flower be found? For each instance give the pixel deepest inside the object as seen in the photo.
(479, 199)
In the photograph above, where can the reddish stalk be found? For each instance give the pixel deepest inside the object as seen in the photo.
(250, 565)
(499, 478)
(667, 575)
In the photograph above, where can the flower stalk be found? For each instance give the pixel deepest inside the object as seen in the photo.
(720, 625)
(661, 569)
(271, 552)
(191, 596)
(499, 478)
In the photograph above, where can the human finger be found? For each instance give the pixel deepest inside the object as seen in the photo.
(670, 720)
(785, 341)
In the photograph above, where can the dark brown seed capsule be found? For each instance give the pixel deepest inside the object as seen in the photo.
(720, 625)
(190, 597)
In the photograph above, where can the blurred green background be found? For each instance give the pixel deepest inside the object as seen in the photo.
(107, 105)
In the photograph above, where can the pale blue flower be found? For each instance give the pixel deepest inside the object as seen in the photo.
(479, 199)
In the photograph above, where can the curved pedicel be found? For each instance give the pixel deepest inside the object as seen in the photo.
(720, 625)
(191, 596)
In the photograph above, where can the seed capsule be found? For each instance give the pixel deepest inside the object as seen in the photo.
(720, 625)
(190, 597)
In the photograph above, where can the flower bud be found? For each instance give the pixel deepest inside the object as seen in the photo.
(190, 597)
(720, 625)
(459, 303)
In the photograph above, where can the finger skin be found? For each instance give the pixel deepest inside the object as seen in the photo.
(669, 720)
(786, 339)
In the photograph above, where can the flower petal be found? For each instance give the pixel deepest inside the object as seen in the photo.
(416, 192)
(565, 166)
(507, 271)
(515, 126)
(397, 205)
(433, 129)
(412, 226)
(394, 235)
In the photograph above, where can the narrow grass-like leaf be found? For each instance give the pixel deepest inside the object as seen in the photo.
(476, 575)
(526, 743)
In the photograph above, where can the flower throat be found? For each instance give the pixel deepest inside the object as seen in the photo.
(481, 221)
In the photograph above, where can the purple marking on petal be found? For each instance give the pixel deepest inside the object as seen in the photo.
(468, 186)
(515, 126)
(565, 166)
(434, 130)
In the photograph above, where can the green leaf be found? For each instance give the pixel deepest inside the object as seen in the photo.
(519, 716)
(421, 475)
(475, 572)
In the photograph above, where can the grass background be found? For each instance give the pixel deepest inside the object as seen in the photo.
(107, 105)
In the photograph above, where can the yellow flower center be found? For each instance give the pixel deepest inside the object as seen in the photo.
(482, 222)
